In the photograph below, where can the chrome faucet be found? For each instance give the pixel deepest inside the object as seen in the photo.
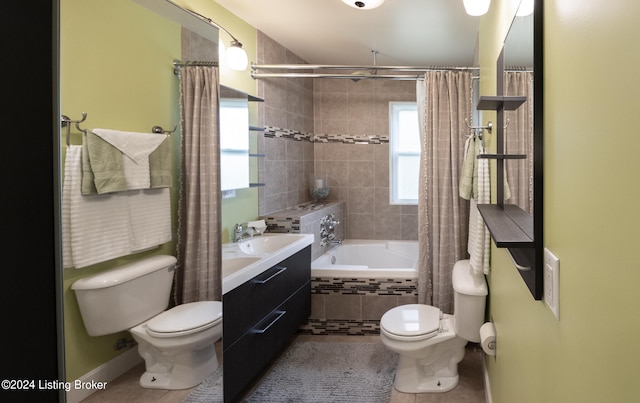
(327, 227)
(241, 231)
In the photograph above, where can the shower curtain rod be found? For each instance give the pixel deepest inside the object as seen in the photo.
(360, 72)
(177, 64)
(355, 67)
(354, 77)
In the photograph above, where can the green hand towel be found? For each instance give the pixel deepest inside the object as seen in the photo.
(106, 165)
(160, 165)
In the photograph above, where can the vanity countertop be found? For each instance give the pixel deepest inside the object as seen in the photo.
(241, 261)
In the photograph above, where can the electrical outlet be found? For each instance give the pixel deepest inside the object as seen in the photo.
(551, 282)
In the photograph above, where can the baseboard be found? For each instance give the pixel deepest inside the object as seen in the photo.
(106, 372)
(485, 375)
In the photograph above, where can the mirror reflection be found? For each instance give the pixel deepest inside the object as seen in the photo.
(234, 139)
(518, 81)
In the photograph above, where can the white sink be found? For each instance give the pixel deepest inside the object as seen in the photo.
(241, 261)
(267, 244)
(232, 265)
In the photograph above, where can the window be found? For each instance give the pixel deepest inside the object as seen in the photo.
(234, 143)
(404, 153)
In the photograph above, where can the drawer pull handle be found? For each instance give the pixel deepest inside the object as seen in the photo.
(279, 315)
(280, 270)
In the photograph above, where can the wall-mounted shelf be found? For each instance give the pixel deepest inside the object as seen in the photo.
(256, 129)
(503, 156)
(493, 103)
(509, 225)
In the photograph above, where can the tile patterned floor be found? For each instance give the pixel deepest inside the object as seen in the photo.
(469, 390)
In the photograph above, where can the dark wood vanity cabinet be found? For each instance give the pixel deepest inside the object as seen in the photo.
(261, 316)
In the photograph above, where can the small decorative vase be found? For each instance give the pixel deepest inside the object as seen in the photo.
(319, 187)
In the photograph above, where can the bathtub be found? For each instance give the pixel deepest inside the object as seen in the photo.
(353, 284)
(369, 259)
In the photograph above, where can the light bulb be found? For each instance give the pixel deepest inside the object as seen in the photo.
(476, 7)
(236, 56)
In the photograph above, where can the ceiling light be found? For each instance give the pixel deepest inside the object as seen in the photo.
(363, 4)
(476, 7)
(526, 8)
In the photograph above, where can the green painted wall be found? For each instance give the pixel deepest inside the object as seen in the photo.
(116, 66)
(592, 95)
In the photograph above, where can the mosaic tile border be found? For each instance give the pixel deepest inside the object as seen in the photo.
(373, 286)
(280, 224)
(277, 132)
(340, 327)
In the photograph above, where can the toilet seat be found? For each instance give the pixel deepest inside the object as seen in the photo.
(186, 319)
(411, 322)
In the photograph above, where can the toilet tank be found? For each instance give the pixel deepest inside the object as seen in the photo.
(120, 298)
(469, 295)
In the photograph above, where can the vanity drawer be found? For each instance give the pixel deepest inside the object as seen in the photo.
(248, 304)
(248, 356)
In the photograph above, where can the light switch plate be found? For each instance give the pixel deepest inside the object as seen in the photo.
(552, 282)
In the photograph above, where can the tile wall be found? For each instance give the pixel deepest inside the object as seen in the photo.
(332, 111)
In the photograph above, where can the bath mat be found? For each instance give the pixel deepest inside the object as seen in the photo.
(323, 372)
(209, 391)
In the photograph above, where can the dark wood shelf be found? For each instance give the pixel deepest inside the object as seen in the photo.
(503, 156)
(256, 129)
(493, 103)
(509, 225)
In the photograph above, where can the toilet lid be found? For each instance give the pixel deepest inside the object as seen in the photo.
(414, 321)
(186, 319)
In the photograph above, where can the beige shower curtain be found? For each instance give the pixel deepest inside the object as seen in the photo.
(518, 139)
(199, 247)
(443, 215)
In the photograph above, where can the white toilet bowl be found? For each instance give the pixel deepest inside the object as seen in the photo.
(428, 347)
(178, 345)
(430, 343)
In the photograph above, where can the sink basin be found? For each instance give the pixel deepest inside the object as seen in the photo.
(267, 244)
(242, 261)
(232, 265)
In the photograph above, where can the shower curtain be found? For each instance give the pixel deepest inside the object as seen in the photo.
(199, 244)
(518, 139)
(444, 100)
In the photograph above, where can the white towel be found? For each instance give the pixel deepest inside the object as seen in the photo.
(97, 228)
(149, 213)
(478, 245)
(135, 148)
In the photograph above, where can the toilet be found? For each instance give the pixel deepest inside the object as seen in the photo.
(177, 344)
(431, 343)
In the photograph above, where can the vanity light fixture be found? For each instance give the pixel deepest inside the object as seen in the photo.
(235, 57)
(476, 8)
(363, 4)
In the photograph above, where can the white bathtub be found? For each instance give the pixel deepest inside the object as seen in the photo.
(357, 258)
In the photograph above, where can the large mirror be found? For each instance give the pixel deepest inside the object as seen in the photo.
(518, 79)
(520, 70)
